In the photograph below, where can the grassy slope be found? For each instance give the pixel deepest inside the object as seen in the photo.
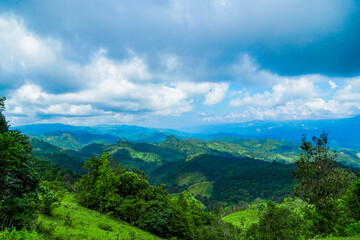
(86, 224)
(340, 238)
(203, 188)
(65, 141)
(242, 219)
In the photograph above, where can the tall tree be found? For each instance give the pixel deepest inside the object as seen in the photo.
(4, 126)
(18, 178)
(321, 180)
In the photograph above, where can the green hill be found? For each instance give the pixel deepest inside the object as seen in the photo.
(143, 156)
(75, 140)
(243, 219)
(260, 149)
(225, 170)
(227, 180)
(139, 154)
(43, 151)
(72, 221)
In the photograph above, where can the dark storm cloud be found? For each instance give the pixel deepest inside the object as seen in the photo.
(286, 37)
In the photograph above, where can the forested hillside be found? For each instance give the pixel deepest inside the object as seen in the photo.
(192, 189)
(249, 169)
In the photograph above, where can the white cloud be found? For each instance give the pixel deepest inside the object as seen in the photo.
(21, 50)
(248, 72)
(68, 109)
(113, 87)
(108, 90)
(100, 87)
(221, 3)
(216, 94)
(332, 85)
(171, 62)
(289, 89)
(351, 92)
(299, 97)
(292, 110)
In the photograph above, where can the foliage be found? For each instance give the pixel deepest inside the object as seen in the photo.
(129, 196)
(50, 195)
(50, 172)
(232, 179)
(72, 221)
(4, 125)
(243, 219)
(219, 230)
(20, 235)
(321, 183)
(351, 200)
(278, 222)
(220, 170)
(45, 152)
(18, 178)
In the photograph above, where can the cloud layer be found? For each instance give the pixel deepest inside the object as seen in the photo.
(118, 62)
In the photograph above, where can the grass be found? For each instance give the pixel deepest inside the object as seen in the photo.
(145, 156)
(203, 188)
(339, 238)
(242, 219)
(191, 178)
(71, 221)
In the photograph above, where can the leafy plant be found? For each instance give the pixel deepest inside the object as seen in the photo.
(13, 234)
(50, 196)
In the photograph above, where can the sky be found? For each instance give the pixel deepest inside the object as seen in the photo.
(176, 63)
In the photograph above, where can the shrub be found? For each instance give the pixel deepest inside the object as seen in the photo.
(50, 196)
(20, 235)
(277, 222)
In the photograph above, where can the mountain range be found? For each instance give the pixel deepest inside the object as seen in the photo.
(343, 133)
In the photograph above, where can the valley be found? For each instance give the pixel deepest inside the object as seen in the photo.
(223, 170)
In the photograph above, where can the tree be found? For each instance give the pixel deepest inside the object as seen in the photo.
(279, 222)
(50, 195)
(321, 181)
(128, 195)
(352, 200)
(4, 126)
(18, 179)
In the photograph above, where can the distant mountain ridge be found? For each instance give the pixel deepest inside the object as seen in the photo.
(343, 133)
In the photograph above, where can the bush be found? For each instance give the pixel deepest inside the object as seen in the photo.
(277, 222)
(351, 200)
(353, 229)
(50, 196)
(20, 235)
(18, 178)
(105, 226)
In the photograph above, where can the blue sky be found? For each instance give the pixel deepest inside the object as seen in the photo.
(178, 62)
